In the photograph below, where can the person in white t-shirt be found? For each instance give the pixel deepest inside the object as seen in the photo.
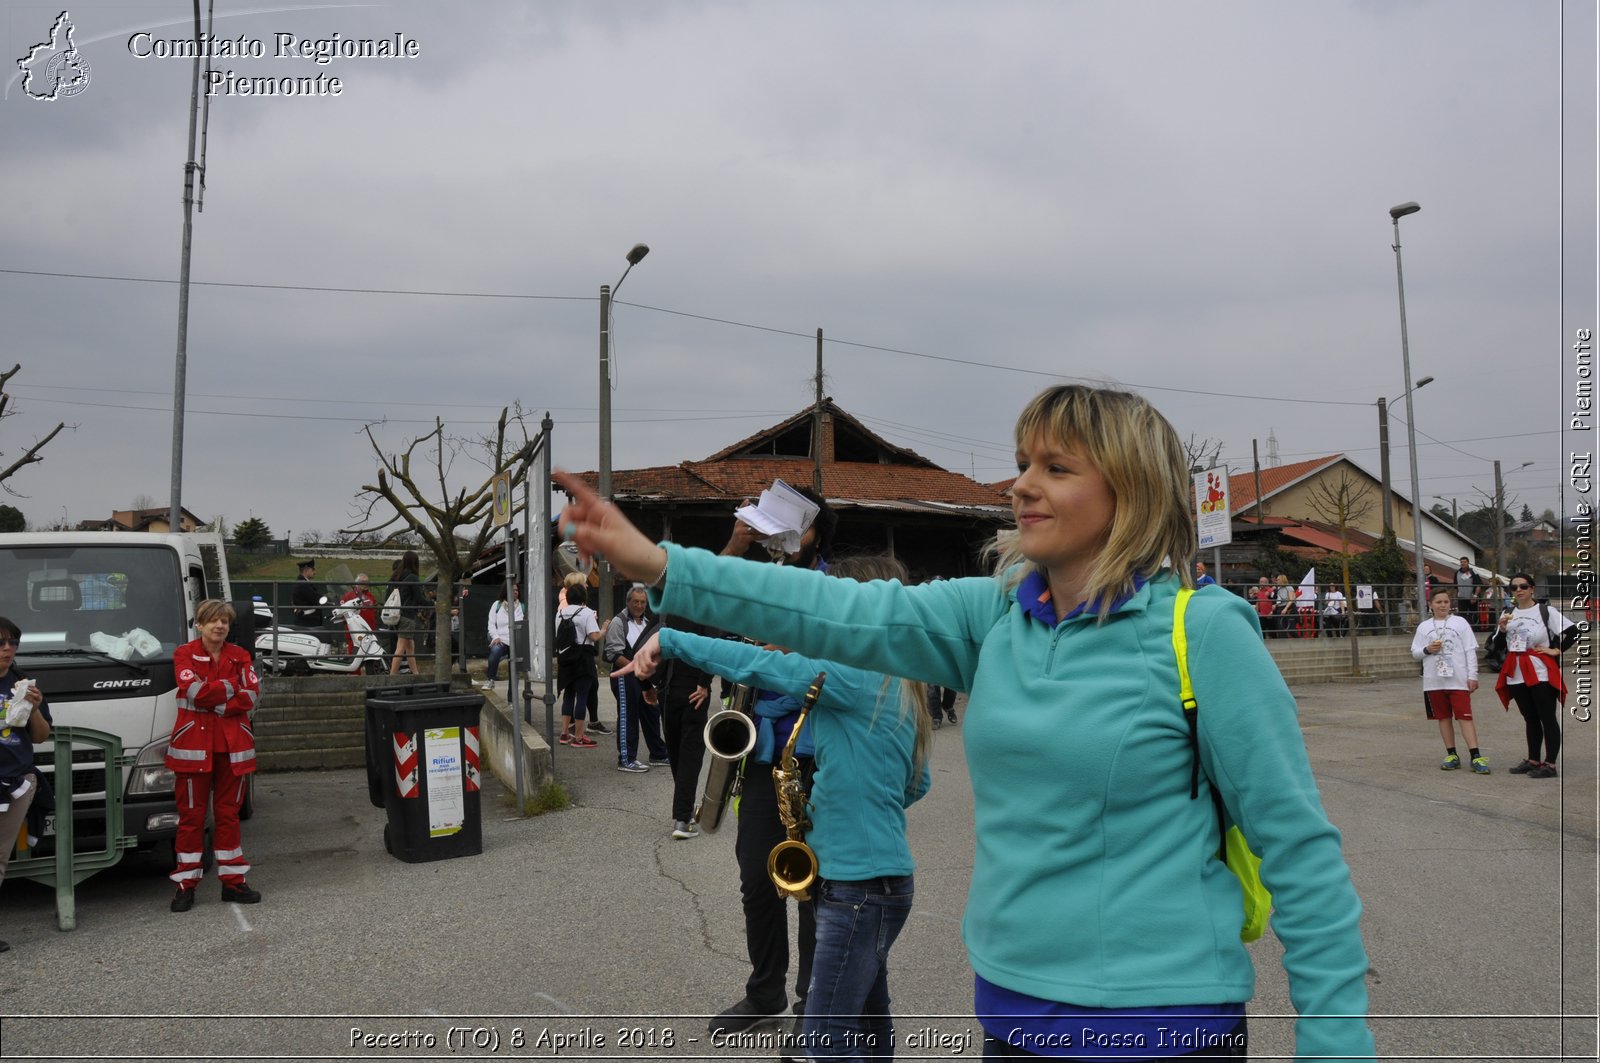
(1335, 614)
(1533, 636)
(576, 674)
(1445, 645)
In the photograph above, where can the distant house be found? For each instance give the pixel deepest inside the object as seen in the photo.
(1538, 532)
(155, 521)
(887, 498)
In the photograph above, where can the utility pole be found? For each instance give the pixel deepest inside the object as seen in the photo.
(1499, 519)
(180, 376)
(1383, 459)
(816, 426)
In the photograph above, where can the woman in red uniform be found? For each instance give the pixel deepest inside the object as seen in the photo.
(212, 750)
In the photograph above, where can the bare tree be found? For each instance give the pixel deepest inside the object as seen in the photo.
(1342, 499)
(1202, 453)
(30, 455)
(453, 523)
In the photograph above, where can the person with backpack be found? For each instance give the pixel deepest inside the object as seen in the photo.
(1531, 635)
(1099, 899)
(577, 633)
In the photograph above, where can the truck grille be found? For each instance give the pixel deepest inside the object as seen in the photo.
(88, 772)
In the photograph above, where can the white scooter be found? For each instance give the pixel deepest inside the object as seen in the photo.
(285, 650)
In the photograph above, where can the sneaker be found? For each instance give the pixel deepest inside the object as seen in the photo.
(742, 1016)
(937, 723)
(1524, 768)
(1451, 763)
(565, 739)
(1480, 765)
(633, 765)
(584, 743)
(183, 900)
(598, 728)
(952, 716)
(1543, 771)
(240, 894)
(683, 831)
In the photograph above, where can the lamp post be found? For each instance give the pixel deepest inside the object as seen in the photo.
(1455, 520)
(1395, 214)
(1383, 453)
(635, 256)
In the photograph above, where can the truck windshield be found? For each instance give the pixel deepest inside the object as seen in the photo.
(125, 601)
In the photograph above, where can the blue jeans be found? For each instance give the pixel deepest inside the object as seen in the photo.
(497, 653)
(847, 1009)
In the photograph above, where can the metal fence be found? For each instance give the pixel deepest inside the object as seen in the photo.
(1391, 609)
(285, 641)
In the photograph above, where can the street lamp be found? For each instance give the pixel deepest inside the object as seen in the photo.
(1454, 517)
(1395, 214)
(635, 256)
(1383, 453)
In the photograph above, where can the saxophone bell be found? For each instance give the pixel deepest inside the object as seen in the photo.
(730, 736)
(792, 865)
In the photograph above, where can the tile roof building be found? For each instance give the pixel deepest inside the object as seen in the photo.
(888, 498)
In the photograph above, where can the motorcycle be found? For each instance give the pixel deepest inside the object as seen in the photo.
(283, 649)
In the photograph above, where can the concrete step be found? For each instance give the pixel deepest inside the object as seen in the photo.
(309, 759)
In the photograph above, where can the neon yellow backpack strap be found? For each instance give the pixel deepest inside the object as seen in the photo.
(1236, 852)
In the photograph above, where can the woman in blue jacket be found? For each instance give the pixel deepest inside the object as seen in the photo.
(871, 739)
(1100, 923)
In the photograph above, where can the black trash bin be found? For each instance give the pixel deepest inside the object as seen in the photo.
(422, 767)
(380, 750)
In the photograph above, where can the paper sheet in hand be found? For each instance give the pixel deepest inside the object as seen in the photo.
(782, 515)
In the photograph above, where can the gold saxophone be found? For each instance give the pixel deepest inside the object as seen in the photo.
(730, 736)
(792, 865)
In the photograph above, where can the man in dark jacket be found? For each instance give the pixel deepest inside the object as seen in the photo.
(307, 596)
(684, 693)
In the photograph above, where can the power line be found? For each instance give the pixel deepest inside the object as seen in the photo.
(697, 317)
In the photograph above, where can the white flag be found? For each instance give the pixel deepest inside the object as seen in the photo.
(1306, 597)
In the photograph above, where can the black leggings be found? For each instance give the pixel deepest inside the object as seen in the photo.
(1537, 703)
(1235, 1045)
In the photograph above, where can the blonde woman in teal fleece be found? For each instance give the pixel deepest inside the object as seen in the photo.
(1100, 922)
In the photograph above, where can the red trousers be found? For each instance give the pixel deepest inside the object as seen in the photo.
(223, 791)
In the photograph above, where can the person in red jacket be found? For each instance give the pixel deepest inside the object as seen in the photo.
(212, 750)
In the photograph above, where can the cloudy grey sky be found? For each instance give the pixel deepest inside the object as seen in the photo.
(973, 201)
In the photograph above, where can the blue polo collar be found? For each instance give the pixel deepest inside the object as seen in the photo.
(1033, 597)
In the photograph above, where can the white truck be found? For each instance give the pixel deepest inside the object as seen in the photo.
(101, 614)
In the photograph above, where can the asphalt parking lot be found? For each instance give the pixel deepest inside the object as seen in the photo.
(590, 933)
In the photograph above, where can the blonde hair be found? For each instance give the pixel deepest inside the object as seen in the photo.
(865, 568)
(1139, 454)
(212, 608)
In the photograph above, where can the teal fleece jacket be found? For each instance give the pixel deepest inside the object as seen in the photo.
(864, 779)
(1095, 880)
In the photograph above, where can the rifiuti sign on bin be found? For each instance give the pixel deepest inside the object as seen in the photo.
(447, 805)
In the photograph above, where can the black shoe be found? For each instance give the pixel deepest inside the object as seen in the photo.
(599, 728)
(240, 894)
(183, 900)
(952, 716)
(5, 946)
(742, 1016)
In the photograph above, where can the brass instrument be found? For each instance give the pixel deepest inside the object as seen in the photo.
(792, 865)
(730, 736)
